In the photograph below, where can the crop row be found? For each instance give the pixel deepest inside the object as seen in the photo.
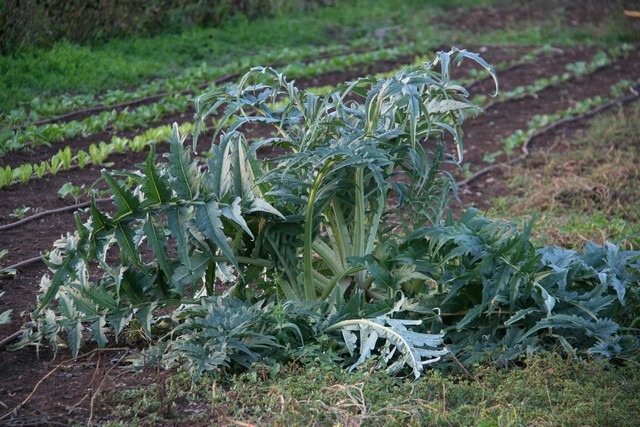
(574, 70)
(539, 121)
(128, 119)
(196, 78)
(12, 140)
(46, 107)
(97, 154)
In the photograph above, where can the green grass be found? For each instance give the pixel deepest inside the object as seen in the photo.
(69, 68)
(543, 390)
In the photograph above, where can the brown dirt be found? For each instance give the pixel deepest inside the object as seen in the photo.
(65, 395)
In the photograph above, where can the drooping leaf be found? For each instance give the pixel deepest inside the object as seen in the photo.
(62, 272)
(185, 171)
(144, 315)
(125, 237)
(261, 205)
(158, 244)
(5, 317)
(124, 200)
(74, 337)
(234, 213)
(154, 186)
(178, 219)
(98, 332)
(417, 349)
(208, 220)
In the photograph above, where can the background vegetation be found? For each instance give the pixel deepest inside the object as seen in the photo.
(40, 23)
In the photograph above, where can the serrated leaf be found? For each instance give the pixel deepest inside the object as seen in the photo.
(198, 265)
(62, 271)
(234, 213)
(158, 243)
(74, 337)
(436, 106)
(519, 315)
(67, 308)
(124, 235)
(548, 300)
(144, 315)
(100, 297)
(5, 317)
(416, 349)
(177, 217)
(261, 205)
(185, 172)
(98, 332)
(122, 197)
(155, 187)
(119, 319)
(208, 221)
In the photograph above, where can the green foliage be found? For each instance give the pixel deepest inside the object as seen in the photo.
(178, 57)
(5, 316)
(417, 349)
(37, 23)
(346, 159)
(499, 297)
(304, 245)
(236, 221)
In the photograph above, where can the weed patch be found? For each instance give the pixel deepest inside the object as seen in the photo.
(542, 390)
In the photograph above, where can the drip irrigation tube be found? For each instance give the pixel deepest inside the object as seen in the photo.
(49, 212)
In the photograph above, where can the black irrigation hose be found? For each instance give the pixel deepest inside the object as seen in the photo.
(34, 217)
(10, 340)
(134, 102)
(525, 146)
(21, 264)
(49, 212)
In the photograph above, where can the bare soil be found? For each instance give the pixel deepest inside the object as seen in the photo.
(65, 389)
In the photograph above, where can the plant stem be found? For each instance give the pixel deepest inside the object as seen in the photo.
(359, 227)
(309, 287)
(337, 278)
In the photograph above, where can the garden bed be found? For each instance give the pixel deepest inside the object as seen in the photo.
(67, 390)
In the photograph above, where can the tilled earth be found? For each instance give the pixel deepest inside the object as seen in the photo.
(67, 388)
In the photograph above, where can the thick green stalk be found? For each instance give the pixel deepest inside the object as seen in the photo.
(329, 256)
(377, 219)
(359, 226)
(339, 232)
